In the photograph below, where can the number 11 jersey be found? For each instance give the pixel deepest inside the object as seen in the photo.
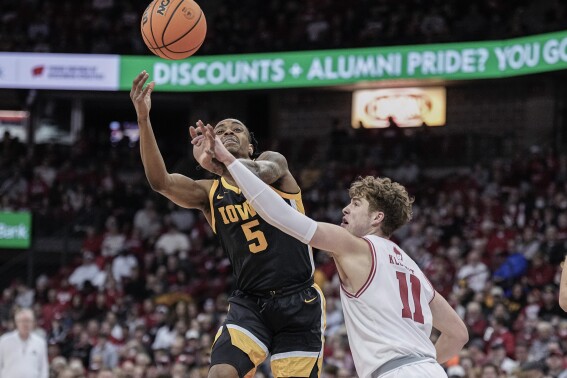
(389, 317)
(263, 258)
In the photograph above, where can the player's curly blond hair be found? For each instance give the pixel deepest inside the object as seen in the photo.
(387, 196)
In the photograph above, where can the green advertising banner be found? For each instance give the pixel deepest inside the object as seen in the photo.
(453, 61)
(15, 230)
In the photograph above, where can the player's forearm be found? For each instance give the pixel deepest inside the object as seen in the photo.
(154, 166)
(448, 346)
(265, 170)
(271, 207)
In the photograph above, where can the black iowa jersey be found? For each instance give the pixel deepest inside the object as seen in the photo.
(263, 257)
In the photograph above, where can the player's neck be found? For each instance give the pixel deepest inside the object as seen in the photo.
(228, 178)
(378, 232)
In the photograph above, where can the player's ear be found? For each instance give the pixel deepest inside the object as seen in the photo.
(250, 150)
(377, 218)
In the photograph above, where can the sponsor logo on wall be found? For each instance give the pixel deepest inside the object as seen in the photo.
(62, 71)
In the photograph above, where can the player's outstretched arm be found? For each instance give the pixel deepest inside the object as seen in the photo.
(178, 188)
(454, 333)
(275, 211)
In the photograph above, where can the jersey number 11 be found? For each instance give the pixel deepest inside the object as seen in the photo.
(417, 315)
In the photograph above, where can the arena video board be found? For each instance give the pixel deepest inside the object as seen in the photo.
(15, 230)
(450, 61)
(406, 107)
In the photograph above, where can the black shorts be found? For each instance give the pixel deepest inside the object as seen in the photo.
(290, 328)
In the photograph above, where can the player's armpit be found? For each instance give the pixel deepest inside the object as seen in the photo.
(187, 192)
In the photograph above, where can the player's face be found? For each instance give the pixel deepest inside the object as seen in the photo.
(357, 217)
(234, 136)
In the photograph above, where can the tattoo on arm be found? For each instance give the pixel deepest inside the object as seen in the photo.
(268, 171)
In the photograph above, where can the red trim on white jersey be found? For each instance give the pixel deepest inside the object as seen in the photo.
(432, 288)
(371, 275)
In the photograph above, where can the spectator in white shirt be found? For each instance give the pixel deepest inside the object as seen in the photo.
(87, 271)
(24, 296)
(113, 240)
(122, 265)
(173, 241)
(46, 172)
(475, 273)
(147, 220)
(182, 218)
(22, 353)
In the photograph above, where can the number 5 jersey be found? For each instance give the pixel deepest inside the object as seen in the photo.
(263, 258)
(389, 317)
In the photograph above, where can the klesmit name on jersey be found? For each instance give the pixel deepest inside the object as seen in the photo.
(398, 260)
(236, 213)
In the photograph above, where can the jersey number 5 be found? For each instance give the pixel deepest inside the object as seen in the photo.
(257, 238)
(415, 293)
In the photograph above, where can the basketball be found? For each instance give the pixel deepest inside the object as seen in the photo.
(173, 29)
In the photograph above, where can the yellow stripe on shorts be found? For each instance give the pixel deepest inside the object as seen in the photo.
(248, 343)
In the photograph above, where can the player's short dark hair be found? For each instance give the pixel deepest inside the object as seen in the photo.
(254, 142)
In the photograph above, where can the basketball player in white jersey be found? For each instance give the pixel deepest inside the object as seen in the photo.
(388, 303)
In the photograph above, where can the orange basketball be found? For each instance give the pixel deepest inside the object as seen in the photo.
(173, 29)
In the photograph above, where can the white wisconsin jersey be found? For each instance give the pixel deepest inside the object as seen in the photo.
(389, 317)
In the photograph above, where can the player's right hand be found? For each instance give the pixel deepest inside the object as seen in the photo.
(140, 96)
(203, 149)
(219, 151)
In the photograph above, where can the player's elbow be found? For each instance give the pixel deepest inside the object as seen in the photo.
(461, 335)
(159, 187)
(159, 184)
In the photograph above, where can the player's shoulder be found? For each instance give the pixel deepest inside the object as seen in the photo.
(207, 183)
(272, 156)
(380, 242)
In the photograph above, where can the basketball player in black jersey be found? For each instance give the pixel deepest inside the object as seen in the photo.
(276, 308)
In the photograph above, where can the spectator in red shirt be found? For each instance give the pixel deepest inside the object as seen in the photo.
(475, 320)
(500, 333)
(539, 273)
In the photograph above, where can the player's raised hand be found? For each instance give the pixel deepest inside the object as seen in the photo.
(203, 148)
(140, 96)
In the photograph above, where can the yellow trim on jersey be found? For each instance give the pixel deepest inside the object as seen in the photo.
(299, 204)
(235, 189)
(323, 326)
(251, 373)
(211, 193)
(290, 196)
(219, 332)
(243, 342)
(294, 366)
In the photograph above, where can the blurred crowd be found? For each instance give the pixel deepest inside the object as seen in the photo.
(147, 292)
(112, 27)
